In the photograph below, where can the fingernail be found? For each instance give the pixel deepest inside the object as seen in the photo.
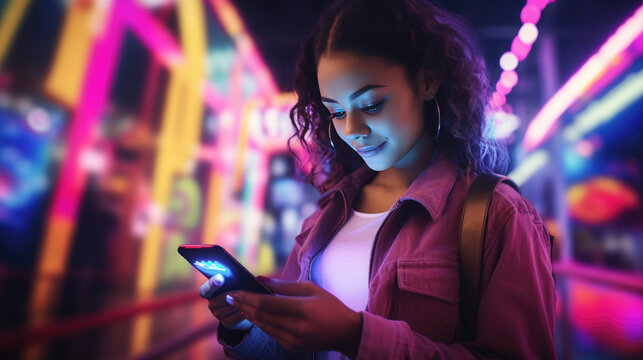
(264, 279)
(218, 279)
(229, 299)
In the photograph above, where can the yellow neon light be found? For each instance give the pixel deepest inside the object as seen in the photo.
(57, 240)
(165, 165)
(162, 182)
(51, 266)
(211, 219)
(177, 146)
(13, 15)
(65, 79)
(229, 17)
(242, 146)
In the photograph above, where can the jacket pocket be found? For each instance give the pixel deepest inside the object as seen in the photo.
(427, 297)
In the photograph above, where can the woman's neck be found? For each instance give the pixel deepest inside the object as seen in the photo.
(401, 175)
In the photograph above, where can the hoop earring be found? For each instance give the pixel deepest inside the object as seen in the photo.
(330, 123)
(437, 131)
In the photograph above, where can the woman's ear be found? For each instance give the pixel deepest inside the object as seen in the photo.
(428, 85)
(430, 88)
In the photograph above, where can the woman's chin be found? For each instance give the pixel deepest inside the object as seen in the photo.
(376, 165)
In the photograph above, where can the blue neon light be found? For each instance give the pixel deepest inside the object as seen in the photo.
(26, 158)
(212, 267)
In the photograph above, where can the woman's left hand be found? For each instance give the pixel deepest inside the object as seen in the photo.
(303, 317)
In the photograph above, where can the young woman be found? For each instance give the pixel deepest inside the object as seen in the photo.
(391, 108)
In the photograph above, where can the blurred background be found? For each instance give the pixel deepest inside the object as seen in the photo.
(129, 127)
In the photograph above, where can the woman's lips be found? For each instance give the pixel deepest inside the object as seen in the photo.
(371, 151)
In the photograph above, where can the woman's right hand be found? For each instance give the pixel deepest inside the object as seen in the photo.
(227, 315)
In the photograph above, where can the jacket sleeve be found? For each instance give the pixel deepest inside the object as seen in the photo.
(258, 345)
(516, 316)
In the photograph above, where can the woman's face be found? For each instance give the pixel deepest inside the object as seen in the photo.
(374, 108)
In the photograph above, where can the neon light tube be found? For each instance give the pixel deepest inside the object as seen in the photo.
(598, 113)
(540, 127)
(529, 166)
(153, 34)
(14, 13)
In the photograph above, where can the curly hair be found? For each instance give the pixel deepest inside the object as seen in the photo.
(420, 37)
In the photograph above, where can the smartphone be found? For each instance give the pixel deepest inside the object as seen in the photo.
(213, 259)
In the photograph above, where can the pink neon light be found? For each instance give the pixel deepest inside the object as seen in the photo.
(163, 44)
(498, 99)
(520, 49)
(248, 52)
(6, 188)
(253, 60)
(624, 62)
(207, 154)
(541, 126)
(530, 14)
(501, 89)
(539, 4)
(638, 45)
(213, 99)
(611, 318)
(584, 148)
(152, 33)
(96, 87)
(509, 79)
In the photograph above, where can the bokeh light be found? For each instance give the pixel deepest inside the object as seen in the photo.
(528, 33)
(508, 61)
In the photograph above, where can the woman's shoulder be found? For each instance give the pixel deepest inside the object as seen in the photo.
(506, 200)
(515, 220)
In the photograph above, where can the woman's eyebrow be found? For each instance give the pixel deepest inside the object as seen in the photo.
(357, 93)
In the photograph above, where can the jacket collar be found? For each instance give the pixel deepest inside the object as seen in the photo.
(350, 184)
(431, 187)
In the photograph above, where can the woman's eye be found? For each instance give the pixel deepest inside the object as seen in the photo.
(373, 108)
(337, 115)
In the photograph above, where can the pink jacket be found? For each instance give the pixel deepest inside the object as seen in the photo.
(412, 309)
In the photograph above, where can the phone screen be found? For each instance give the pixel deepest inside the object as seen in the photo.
(213, 259)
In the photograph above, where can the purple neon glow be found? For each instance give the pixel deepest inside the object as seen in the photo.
(38, 120)
(95, 90)
(540, 127)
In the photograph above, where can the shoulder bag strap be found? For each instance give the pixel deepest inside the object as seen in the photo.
(474, 219)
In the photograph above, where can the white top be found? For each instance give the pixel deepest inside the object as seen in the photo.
(342, 266)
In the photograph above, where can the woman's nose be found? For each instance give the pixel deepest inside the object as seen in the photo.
(355, 127)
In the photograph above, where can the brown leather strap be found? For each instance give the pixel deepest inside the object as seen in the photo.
(474, 219)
